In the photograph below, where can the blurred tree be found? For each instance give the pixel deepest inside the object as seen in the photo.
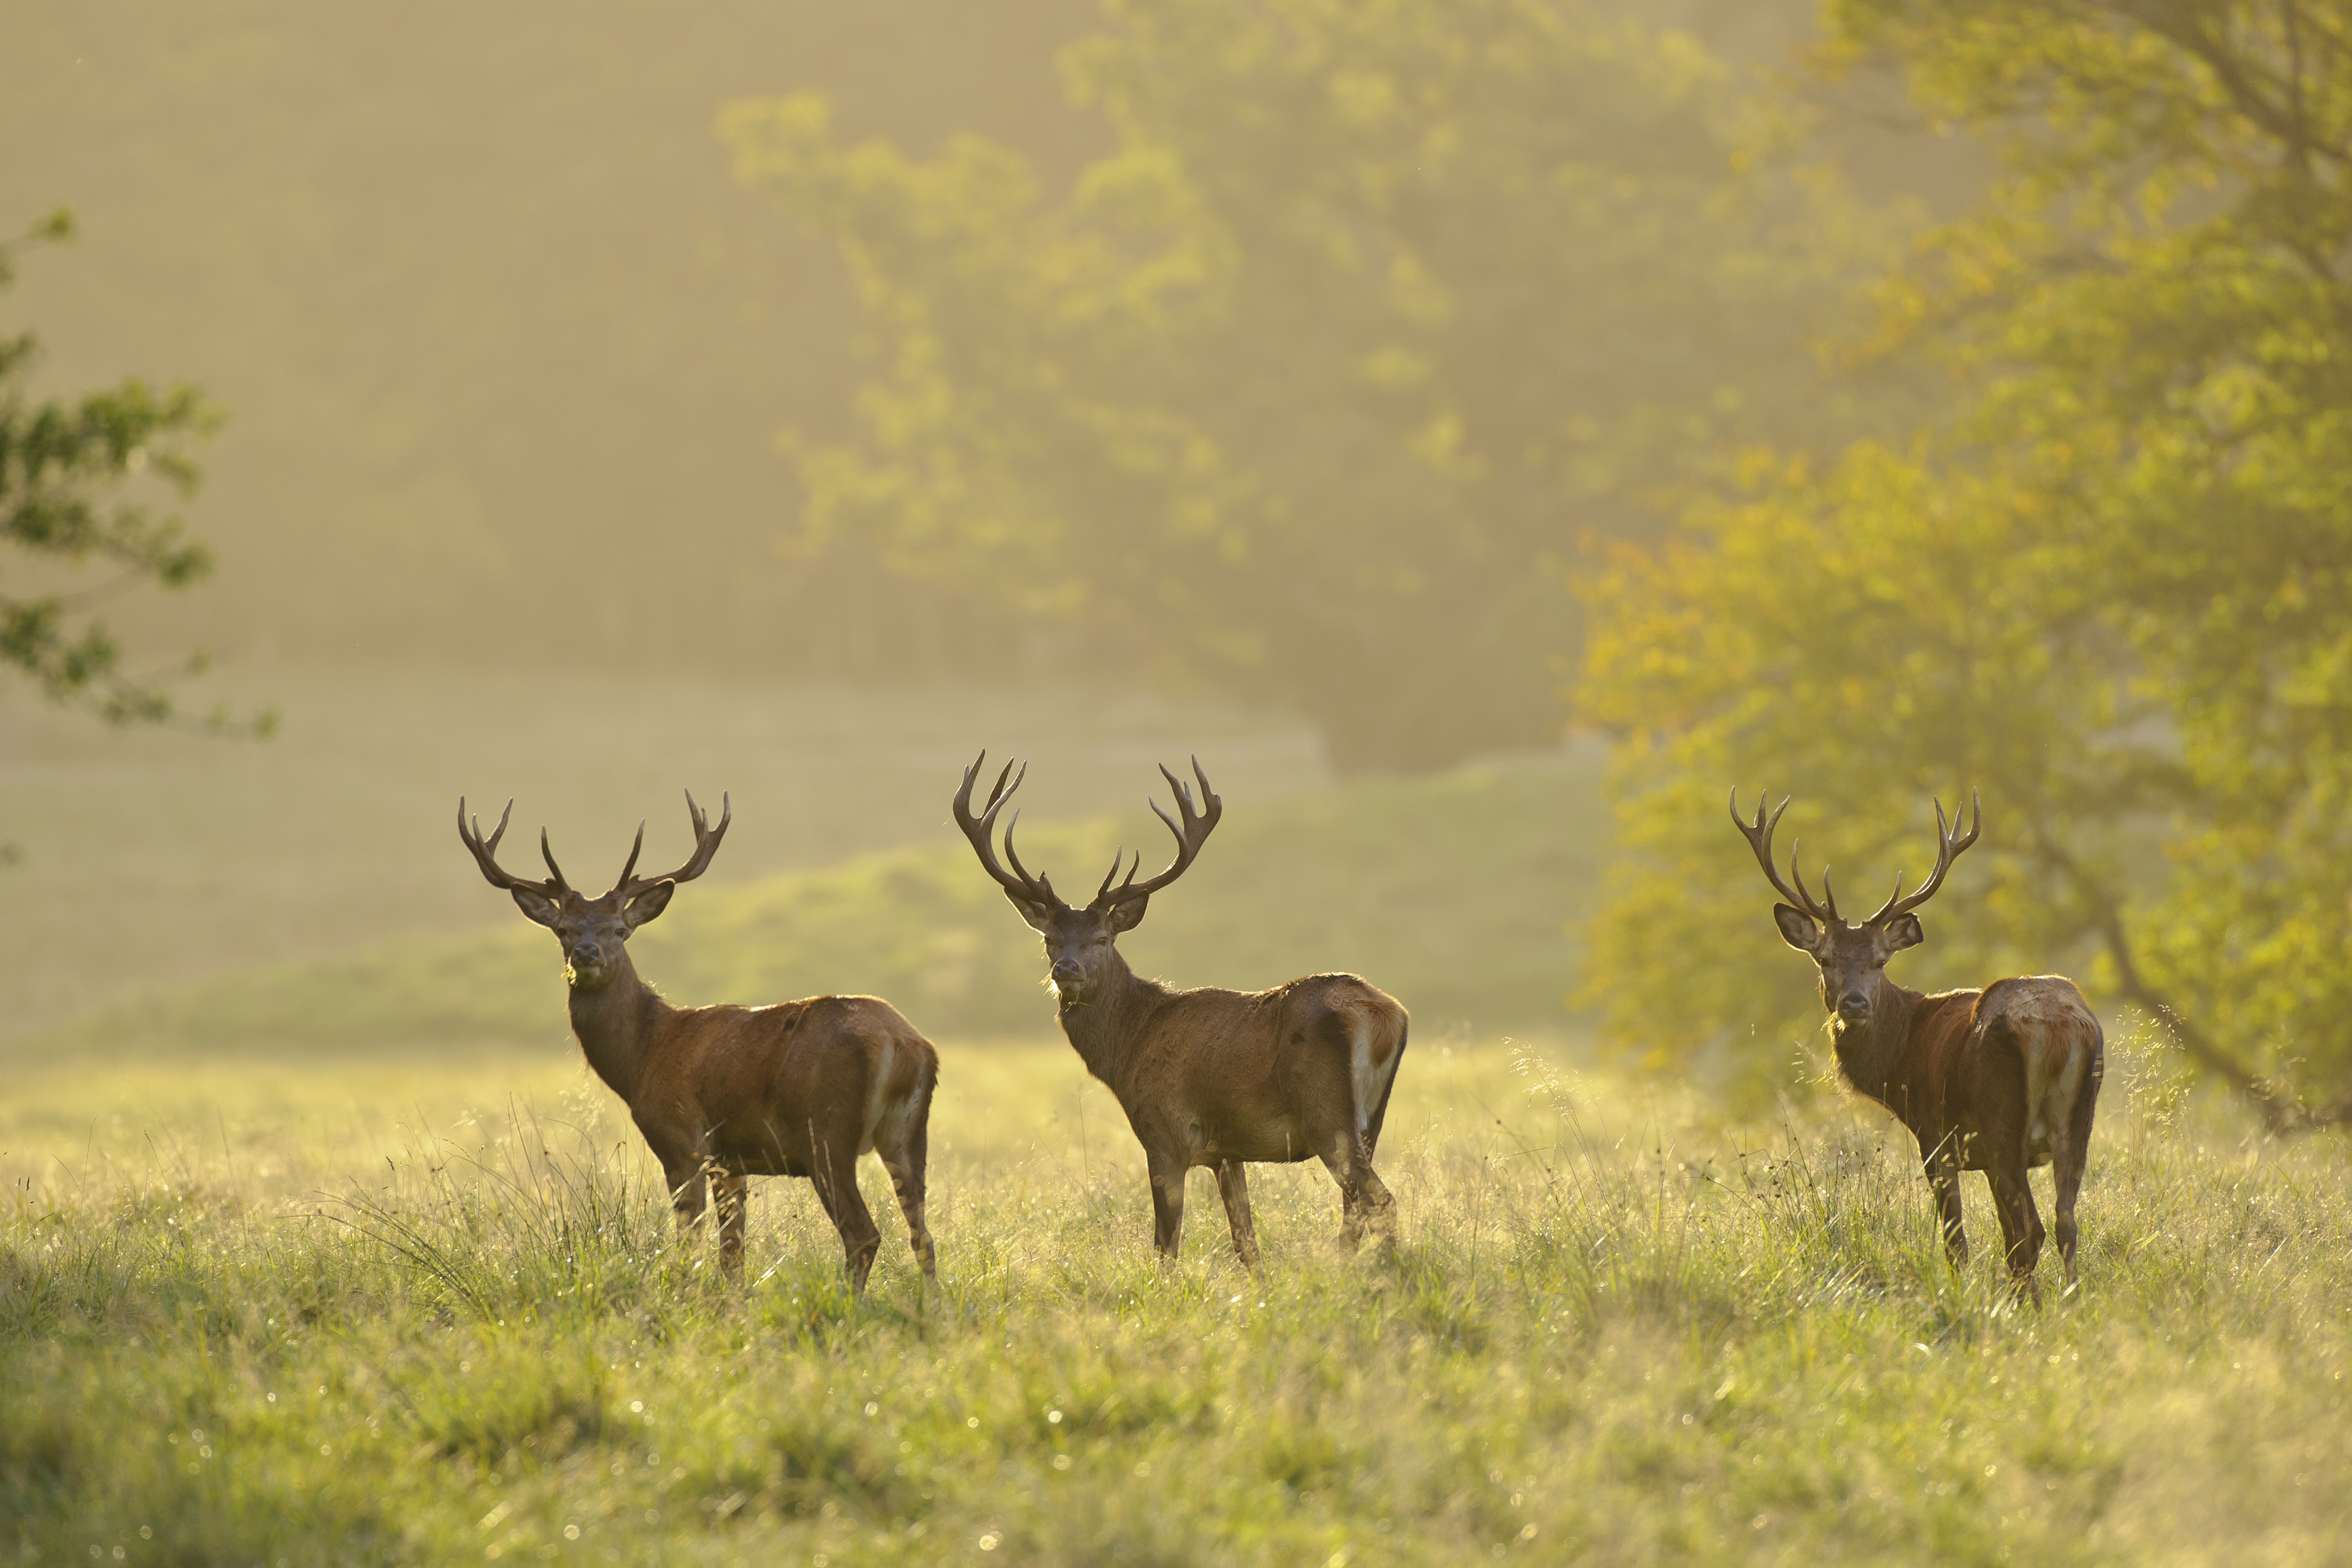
(58, 459)
(1309, 389)
(507, 345)
(2113, 593)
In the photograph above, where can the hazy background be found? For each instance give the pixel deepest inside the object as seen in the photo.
(502, 340)
(1417, 411)
(505, 344)
(505, 347)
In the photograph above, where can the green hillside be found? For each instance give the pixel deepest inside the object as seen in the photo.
(1453, 892)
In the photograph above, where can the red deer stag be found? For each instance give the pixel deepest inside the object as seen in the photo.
(1997, 1081)
(723, 1093)
(1210, 1078)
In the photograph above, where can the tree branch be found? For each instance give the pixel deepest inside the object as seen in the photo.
(2286, 124)
(2280, 1110)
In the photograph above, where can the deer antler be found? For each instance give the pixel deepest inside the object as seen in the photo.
(982, 830)
(1950, 842)
(486, 855)
(706, 844)
(1758, 835)
(1195, 832)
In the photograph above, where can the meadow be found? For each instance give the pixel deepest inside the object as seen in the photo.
(339, 1255)
(343, 1314)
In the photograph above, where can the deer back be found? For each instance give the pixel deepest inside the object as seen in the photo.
(1267, 1076)
(768, 1090)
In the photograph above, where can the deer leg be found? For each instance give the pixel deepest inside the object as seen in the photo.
(1363, 1197)
(905, 1164)
(688, 1193)
(2072, 1153)
(2066, 1162)
(731, 1190)
(2021, 1225)
(1943, 1181)
(1233, 1185)
(1373, 1199)
(834, 1178)
(1337, 1158)
(1167, 1208)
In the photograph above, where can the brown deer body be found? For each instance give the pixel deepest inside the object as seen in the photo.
(723, 1093)
(1999, 1080)
(1212, 1078)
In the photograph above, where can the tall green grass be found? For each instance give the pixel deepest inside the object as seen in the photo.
(1618, 1329)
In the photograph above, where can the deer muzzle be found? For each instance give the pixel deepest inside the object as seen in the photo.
(583, 967)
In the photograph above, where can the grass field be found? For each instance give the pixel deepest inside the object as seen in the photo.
(290, 1314)
(319, 1246)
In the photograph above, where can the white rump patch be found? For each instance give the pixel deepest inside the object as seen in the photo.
(2054, 1040)
(1368, 1079)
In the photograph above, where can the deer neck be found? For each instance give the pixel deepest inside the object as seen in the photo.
(1102, 1027)
(1875, 1058)
(615, 1025)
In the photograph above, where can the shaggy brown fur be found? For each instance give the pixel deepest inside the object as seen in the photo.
(1997, 1081)
(1212, 1078)
(723, 1093)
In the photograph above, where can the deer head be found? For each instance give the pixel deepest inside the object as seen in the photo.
(592, 930)
(1853, 957)
(1079, 941)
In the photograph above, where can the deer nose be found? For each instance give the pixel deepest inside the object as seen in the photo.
(1855, 1005)
(1067, 971)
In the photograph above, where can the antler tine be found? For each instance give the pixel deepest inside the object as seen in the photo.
(1950, 842)
(486, 853)
(1892, 899)
(980, 831)
(997, 791)
(1117, 860)
(1194, 832)
(631, 863)
(472, 838)
(1043, 884)
(706, 844)
(548, 854)
(1758, 835)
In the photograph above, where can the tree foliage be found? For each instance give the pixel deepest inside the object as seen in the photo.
(2112, 593)
(62, 463)
(1309, 388)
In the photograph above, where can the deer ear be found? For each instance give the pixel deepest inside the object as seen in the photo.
(1127, 914)
(647, 904)
(1899, 932)
(1040, 918)
(536, 906)
(1797, 927)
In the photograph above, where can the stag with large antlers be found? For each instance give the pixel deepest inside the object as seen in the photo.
(724, 1093)
(2000, 1079)
(1208, 1077)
